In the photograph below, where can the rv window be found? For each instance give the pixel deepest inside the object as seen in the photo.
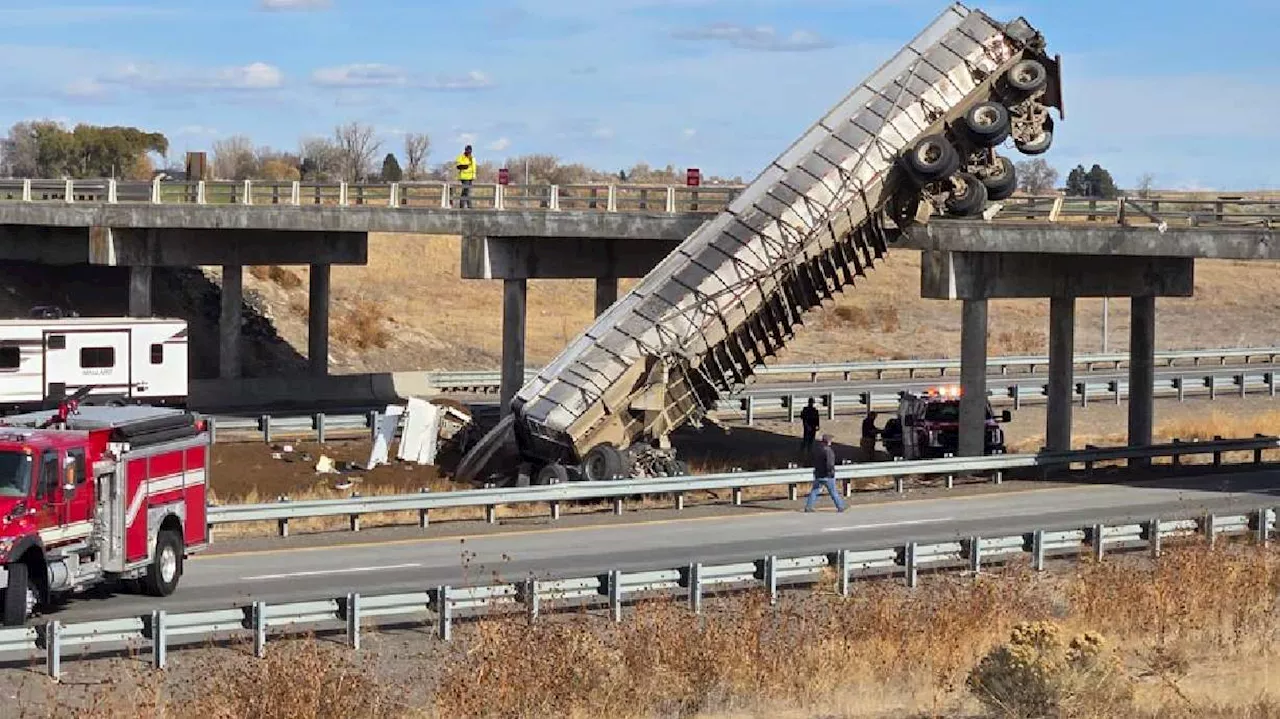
(10, 357)
(97, 357)
(48, 474)
(157, 354)
(57, 342)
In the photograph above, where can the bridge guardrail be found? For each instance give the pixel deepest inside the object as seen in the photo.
(757, 403)
(556, 494)
(443, 606)
(1155, 210)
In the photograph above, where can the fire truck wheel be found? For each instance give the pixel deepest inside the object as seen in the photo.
(17, 596)
(162, 575)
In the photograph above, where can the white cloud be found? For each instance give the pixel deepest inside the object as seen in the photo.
(359, 75)
(85, 88)
(474, 80)
(295, 4)
(149, 77)
(763, 38)
(688, 133)
(465, 138)
(603, 133)
(196, 131)
(499, 144)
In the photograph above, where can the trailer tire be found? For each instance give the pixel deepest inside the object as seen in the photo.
(970, 200)
(163, 573)
(554, 473)
(987, 124)
(1002, 183)
(1038, 146)
(1026, 77)
(932, 158)
(603, 462)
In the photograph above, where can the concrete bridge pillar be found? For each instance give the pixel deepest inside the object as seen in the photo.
(318, 320)
(140, 291)
(514, 310)
(606, 293)
(1142, 370)
(230, 322)
(1062, 320)
(973, 378)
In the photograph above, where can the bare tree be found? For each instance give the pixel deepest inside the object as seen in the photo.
(1036, 177)
(320, 159)
(1145, 181)
(234, 159)
(416, 148)
(357, 147)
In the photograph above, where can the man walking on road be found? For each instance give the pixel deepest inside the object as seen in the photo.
(824, 475)
(466, 165)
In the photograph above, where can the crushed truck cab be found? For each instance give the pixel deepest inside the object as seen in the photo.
(95, 495)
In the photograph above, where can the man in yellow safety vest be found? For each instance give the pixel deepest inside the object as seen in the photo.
(466, 165)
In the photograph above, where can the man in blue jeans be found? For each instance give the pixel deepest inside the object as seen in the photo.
(824, 475)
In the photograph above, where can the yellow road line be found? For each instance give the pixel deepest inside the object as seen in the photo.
(553, 530)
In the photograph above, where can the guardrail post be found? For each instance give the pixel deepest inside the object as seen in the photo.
(342, 194)
(615, 594)
(791, 408)
(899, 485)
(975, 554)
(909, 560)
(53, 649)
(999, 475)
(1098, 542)
(611, 204)
(951, 476)
(26, 190)
(156, 196)
(1213, 387)
(679, 501)
(1241, 378)
(695, 587)
(352, 610)
(259, 618)
(264, 424)
(1257, 453)
(1209, 526)
(1271, 383)
(1153, 537)
(555, 510)
(1180, 384)
(69, 192)
(247, 197)
(1037, 550)
(793, 492)
(283, 522)
(112, 197)
(771, 578)
(1115, 389)
(424, 514)
(355, 518)
(159, 639)
(444, 614)
(617, 506)
(737, 496)
(751, 410)
(830, 400)
(532, 603)
(1263, 535)
(371, 420)
(394, 195)
(554, 203)
(318, 423)
(295, 194)
(491, 513)
(842, 566)
(671, 199)
(1016, 391)
(1217, 453)
(200, 196)
(1083, 389)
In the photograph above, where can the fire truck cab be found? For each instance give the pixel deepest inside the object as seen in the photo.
(927, 425)
(91, 495)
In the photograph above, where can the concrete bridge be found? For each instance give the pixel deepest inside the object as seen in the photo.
(1028, 247)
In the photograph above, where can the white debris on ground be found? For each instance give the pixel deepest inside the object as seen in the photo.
(425, 426)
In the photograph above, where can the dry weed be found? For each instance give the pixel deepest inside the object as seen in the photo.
(363, 326)
(286, 279)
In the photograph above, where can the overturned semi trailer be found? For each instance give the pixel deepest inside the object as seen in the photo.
(919, 137)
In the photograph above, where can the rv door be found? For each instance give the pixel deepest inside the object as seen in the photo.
(98, 359)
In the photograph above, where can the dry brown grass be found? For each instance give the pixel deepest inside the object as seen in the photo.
(1193, 635)
(1215, 423)
(439, 321)
(362, 326)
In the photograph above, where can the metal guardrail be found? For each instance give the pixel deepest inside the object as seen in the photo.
(756, 403)
(443, 606)
(1156, 210)
(491, 380)
(555, 495)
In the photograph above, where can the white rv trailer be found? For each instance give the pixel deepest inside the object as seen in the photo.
(123, 359)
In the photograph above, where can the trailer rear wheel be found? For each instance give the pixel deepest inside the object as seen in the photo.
(553, 473)
(19, 600)
(163, 573)
(987, 124)
(933, 158)
(969, 198)
(1038, 146)
(1027, 77)
(604, 461)
(1002, 181)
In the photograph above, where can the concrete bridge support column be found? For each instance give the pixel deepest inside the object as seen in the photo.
(973, 378)
(140, 291)
(1142, 369)
(318, 321)
(514, 309)
(606, 293)
(230, 322)
(1062, 320)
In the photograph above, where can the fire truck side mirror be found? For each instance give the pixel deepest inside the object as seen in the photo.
(1006, 416)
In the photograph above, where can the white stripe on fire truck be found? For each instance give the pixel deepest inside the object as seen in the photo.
(160, 485)
(77, 530)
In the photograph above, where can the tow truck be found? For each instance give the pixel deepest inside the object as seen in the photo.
(91, 495)
(927, 425)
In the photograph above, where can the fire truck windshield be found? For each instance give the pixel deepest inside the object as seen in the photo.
(942, 412)
(15, 474)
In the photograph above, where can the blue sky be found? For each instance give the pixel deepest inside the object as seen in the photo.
(1185, 91)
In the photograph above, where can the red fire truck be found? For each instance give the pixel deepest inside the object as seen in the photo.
(92, 495)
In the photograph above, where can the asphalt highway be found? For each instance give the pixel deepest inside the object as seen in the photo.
(231, 578)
